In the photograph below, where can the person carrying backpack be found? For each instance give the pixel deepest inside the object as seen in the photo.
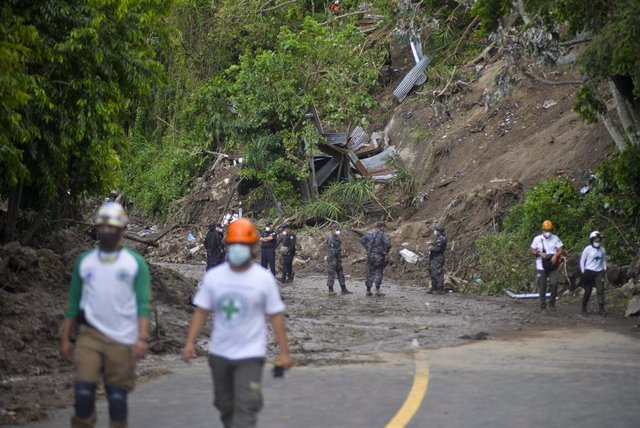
(377, 244)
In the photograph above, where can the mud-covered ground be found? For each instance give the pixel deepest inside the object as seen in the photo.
(323, 330)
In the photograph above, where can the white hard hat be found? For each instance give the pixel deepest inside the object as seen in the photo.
(595, 234)
(112, 214)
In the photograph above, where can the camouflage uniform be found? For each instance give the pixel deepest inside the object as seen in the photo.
(436, 255)
(377, 244)
(334, 262)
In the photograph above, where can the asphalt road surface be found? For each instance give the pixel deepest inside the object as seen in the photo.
(578, 377)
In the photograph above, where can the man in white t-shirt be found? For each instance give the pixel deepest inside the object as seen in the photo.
(241, 294)
(547, 249)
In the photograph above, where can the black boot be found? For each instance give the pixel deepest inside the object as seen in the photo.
(584, 309)
(344, 290)
(331, 291)
(601, 310)
(369, 293)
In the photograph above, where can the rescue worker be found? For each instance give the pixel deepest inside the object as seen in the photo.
(109, 299)
(593, 265)
(214, 245)
(547, 249)
(377, 244)
(269, 242)
(334, 261)
(288, 249)
(437, 259)
(241, 296)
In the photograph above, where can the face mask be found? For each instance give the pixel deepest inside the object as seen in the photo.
(268, 229)
(546, 234)
(238, 254)
(109, 240)
(596, 244)
(337, 233)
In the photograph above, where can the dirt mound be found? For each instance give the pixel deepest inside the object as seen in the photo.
(33, 289)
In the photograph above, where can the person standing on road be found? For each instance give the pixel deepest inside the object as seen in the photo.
(547, 249)
(593, 265)
(214, 245)
(288, 249)
(269, 242)
(377, 244)
(334, 261)
(437, 259)
(241, 295)
(109, 298)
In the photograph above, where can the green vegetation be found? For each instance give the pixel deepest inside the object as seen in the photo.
(612, 207)
(69, 73)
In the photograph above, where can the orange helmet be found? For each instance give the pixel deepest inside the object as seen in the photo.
(547, 225)
(241, 231)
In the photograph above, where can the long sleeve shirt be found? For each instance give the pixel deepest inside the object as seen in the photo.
(594, 259)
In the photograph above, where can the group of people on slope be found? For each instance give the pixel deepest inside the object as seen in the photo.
(548, 249)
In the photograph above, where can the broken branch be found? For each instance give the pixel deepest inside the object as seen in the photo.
(552, 82)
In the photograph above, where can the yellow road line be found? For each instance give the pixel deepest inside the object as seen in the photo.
(416, 395)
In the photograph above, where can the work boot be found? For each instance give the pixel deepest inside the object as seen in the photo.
(378, 292)
(584, 310)
(282, 280)
(369, 293)
(331, 292)
(601, 310)
(345, 291)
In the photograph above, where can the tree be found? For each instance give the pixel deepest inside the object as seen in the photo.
(75, 68)
(272, 92)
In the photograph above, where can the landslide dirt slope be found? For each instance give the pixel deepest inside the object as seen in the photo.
(474, 161)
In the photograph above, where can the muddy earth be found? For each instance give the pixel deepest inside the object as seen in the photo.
(323, 330)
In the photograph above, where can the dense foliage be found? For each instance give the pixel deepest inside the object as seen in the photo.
(612, 207)
(70, 72)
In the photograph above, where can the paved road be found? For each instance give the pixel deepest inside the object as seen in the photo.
(562, 378)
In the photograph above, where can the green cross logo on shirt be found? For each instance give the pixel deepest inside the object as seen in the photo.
(230, 309)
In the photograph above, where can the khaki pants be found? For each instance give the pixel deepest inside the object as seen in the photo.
(541, 279)
(99, 358)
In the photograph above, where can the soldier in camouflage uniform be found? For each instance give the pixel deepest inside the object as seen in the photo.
(377, 244)
(436, 256)
(334, 261)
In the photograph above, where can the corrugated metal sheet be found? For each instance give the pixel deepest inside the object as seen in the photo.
(410, 79)
(336, 138)
(416, 49)
(358, 138)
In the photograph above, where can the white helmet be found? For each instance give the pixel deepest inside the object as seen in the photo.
(112, 214)
(595, 234)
